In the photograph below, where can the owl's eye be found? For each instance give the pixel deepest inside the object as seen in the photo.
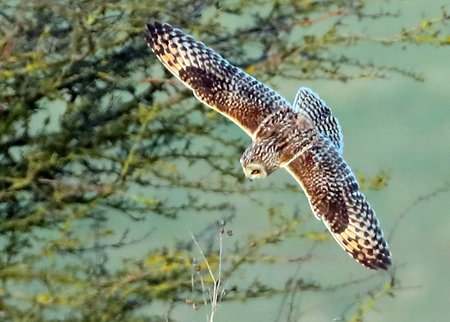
(255, 171)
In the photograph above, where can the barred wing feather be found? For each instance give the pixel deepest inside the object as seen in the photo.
(214, 81)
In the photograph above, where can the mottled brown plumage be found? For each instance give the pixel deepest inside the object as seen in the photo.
(305, 138)
(334, 196)
(213, 80)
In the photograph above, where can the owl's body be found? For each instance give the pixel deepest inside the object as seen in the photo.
(304, 138)
(282, 136)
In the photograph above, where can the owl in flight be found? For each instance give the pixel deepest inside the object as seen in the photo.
(304, 138)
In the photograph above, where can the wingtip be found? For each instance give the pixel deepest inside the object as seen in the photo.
(382, 264)
(385, 260)
(150, 27)
(155, 26)
(387, 264)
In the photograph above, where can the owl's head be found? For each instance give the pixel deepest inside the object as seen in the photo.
(259, 160)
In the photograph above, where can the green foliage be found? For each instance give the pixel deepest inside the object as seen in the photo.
(91, 127)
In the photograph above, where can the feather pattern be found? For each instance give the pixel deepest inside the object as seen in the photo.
(214, 81)
(304, 138)
(311, 105)
(334, 196)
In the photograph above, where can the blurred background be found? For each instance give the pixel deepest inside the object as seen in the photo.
(115, 182)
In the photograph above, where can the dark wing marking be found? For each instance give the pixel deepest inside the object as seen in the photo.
(214, 81)
(310, 104)
(334, 196)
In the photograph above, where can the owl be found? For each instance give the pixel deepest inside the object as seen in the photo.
(304, 138)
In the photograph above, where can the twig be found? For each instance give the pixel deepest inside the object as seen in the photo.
(369, 304)
(307, 21)
(214, 297)
(419, 200)
(161, 81)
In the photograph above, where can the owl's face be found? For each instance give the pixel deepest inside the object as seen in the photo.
(254, 171)
(259, 160)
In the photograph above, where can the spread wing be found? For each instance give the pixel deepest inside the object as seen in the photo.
(214, 81)
(334, 196)
(310, 104)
